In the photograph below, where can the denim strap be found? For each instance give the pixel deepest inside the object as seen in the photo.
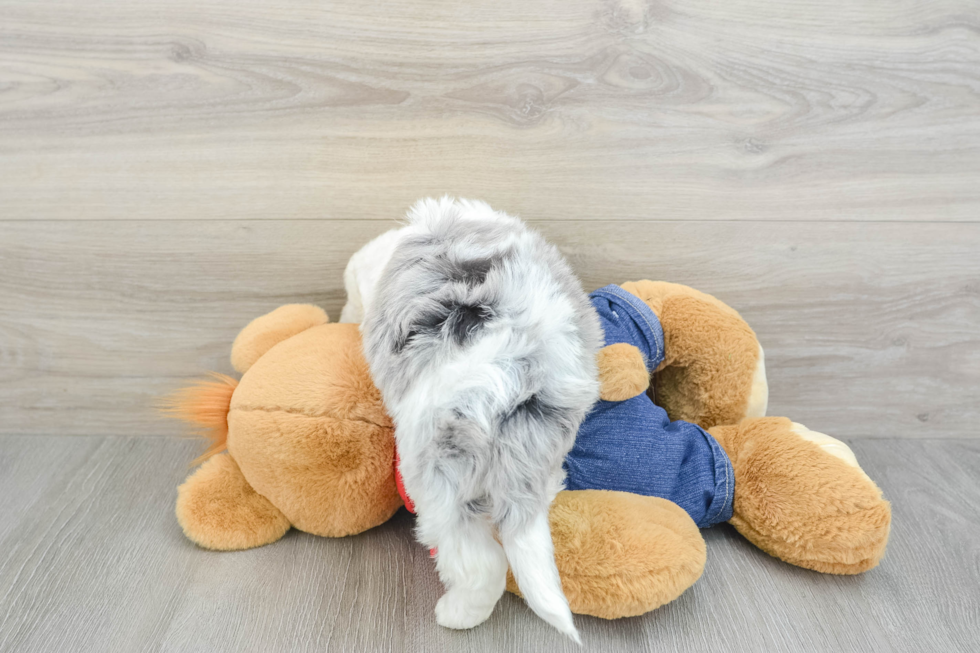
(644, 320)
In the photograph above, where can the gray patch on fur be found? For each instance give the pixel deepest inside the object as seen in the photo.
(482, 342)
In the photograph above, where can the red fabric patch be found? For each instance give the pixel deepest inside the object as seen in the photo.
(400, 484)
(401, 487)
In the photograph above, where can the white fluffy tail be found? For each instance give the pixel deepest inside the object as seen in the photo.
(531, 555)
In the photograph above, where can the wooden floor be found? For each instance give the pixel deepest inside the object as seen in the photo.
(171, 169)
(92, 559)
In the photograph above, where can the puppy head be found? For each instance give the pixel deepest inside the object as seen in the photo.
(365, 267)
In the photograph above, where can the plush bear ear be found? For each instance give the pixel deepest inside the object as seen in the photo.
(263, 333)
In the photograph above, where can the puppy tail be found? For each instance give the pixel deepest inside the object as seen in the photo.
(531, 555)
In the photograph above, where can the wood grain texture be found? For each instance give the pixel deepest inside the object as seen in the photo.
(562, 109)
(92, 559)
(869, 328)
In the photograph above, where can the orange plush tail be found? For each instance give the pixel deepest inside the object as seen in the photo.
(204, 405)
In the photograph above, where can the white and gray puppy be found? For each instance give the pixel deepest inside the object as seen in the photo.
(483, 344)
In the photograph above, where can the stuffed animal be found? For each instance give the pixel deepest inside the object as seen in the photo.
(309, 446)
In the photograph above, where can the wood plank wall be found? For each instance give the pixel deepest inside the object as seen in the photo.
(170, 170)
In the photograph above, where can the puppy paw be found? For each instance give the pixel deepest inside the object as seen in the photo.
(458, 611)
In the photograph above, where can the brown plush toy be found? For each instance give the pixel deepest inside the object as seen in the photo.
(309, 446)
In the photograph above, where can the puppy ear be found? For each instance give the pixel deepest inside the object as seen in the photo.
(363, 272)
(353, 311)
(623, 373)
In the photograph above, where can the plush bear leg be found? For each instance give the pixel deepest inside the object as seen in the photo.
(801, 496)
(621, 554)
(218, 509)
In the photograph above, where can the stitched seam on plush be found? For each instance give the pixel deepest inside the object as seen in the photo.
(296, 411)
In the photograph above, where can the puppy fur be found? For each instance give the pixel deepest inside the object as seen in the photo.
(362, 273)
(483, 345)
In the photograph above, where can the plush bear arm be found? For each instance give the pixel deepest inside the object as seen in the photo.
(263, 333)
(623, 373)
(714, 368)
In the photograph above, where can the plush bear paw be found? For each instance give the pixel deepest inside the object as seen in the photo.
(219, 510)
(623, 373)
(801, 496)
(621, 554)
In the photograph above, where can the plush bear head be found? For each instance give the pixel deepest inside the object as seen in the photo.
(305, 426)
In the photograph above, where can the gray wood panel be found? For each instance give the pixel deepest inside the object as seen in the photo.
(92, 559)
(562, 109)
(870, 329)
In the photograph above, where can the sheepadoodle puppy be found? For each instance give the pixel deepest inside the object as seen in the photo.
(483, 345)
